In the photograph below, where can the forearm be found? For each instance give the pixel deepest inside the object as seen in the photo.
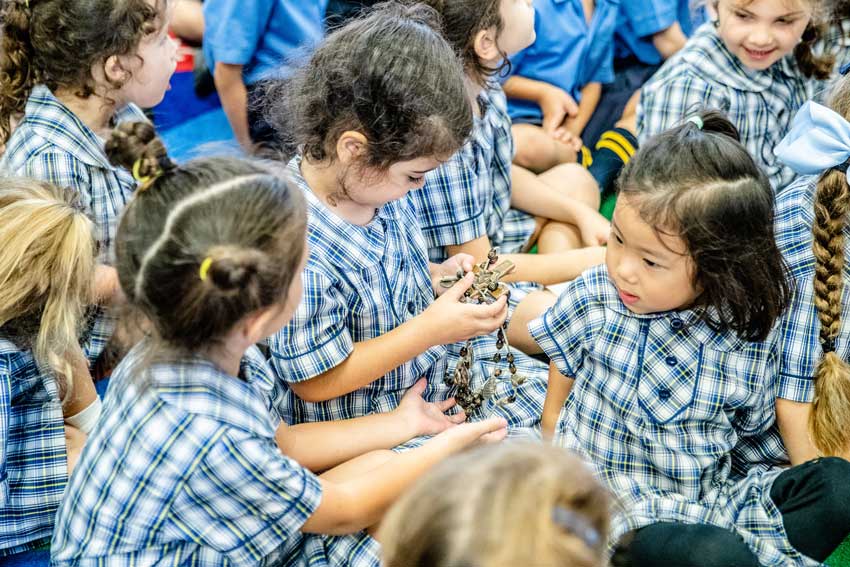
(556, 395)
(83, 392)
(530, 194)
(590, 96)
(793, 421)
(322, 445)
(234, 99)
(669, 41)
(525, 89)
(368, 361)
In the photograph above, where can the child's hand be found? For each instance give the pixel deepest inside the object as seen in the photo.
(426, 418)
(448, 320)
(556, 105)
(594, 228)
(75, 440)
(569, 139)
(450, 267)
(490, 430)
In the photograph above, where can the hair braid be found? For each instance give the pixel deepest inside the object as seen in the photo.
(829, 423)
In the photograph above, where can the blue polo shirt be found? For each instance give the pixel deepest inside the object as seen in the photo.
(260, 34)
(568, 52)
(639, 21)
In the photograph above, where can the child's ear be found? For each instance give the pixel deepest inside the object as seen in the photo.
(113, 70)
(485, 45)
(350, 146)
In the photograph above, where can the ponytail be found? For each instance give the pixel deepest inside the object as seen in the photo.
(812, 65)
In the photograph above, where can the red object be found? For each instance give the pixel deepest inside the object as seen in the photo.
(186, 60)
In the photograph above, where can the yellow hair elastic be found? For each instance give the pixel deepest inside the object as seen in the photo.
(144, 180)
(205, 268)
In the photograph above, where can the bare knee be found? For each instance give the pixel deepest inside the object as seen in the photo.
(575, 181)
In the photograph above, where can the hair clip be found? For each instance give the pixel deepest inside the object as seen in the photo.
(828, 345)
(576, 524)
(205, 268)
(696, 121)
(844, 68)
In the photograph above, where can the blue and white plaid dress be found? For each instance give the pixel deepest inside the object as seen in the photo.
(33, 463)
(705, 74)
(469, 196)
(52, 144)
(362, 282)
(659, 402)
(183, 469)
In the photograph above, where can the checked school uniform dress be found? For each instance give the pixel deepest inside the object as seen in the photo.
(659, 402)
(469, 196)
(33, 465)
(183, 469)
(362, 282)
(706, 75)
(52, 144)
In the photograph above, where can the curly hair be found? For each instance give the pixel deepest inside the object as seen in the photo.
(56, 43)
(389, 75)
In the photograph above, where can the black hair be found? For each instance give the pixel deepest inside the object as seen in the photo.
(202, 245)
(389, 75)
(699, 183)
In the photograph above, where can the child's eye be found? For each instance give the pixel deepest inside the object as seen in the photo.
(742, 15)
(617, 238)
(650, 263)
(415, 179)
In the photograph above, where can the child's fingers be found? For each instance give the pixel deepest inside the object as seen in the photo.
(457, 418)
(494, 437)
(420, 385)
(445, 405)
(457, 290)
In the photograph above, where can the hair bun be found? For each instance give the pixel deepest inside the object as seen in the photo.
(233, 268)
(717, 122)
(137, 142)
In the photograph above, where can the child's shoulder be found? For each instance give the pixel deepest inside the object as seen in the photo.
(794, 217)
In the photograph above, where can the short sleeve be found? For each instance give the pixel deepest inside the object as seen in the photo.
(246, 499)
(317, 338)
(234, 28)
(566, 327)
(667, 103)
(448, 206)
(650, 17)
(603, 71)
(799, 332)
(5, 424)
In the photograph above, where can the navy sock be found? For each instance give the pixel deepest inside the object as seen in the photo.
(613, 150)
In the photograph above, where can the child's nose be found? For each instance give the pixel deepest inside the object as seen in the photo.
(760, 36)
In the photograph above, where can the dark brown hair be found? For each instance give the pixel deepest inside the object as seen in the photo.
(829, 421)
(462, 20)
(512, 504)
(246, 222)
(701, 184)
(56, 43)
(389, 75)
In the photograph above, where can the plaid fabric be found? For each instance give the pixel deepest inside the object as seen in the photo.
(52, 144)
(470, 195)
(362, 282)
(705, 74)
(183, 469)
(658, 404)
(33, 467)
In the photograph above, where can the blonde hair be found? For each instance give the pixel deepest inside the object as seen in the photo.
(46, 272)
(499, 506)
(829, 422)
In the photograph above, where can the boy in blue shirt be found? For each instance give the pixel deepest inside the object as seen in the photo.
(245, 41)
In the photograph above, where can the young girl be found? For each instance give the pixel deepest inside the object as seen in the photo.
(369, 326)
(477, 199)
(663, 361)
(511, 504)
(45, 286)
(742, 66)
(185, 466)
(555, 84)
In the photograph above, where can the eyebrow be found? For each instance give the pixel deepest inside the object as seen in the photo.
(646, 251)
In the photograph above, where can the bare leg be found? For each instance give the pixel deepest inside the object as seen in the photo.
(530, 308)
(538, 151)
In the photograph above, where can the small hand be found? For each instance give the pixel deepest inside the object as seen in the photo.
(426, 418)
(556, 105)
(594, 228)
(490, 430)
(450, 267)
(449, 321)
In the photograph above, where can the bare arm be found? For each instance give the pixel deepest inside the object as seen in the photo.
(530, 194)
(556, 395)
(793, 421)
(590, 96)
(545, 269)
(555, 103)
(234, 99)
(350, 506)
(669, 41)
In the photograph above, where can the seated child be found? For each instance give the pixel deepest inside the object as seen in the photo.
(664, 359)
(185, 465)
(370, 326)
(244, 44)
(47, 400)
(509, 504)
(755, 64)
(555, 86)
